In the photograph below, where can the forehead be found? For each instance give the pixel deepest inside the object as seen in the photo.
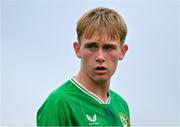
(99, 38)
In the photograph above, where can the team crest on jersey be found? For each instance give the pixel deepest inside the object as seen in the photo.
(92, 119)
(124, 119)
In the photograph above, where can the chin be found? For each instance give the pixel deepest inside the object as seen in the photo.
(100, 80)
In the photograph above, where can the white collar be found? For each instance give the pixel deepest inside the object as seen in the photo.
(91, 94)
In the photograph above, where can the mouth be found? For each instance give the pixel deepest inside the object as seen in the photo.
(101, 70)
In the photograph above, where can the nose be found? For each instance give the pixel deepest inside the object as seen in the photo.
(100, 56)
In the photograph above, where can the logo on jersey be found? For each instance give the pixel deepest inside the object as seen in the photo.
(124, 119)
(92, 119)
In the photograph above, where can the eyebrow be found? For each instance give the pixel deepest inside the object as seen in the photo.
(90, 43)
(113, 45)
(95, 43)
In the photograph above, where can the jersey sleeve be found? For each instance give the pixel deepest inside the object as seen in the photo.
(54, 112)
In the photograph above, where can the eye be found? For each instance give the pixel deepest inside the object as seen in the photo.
(92, 47)
(108, 48)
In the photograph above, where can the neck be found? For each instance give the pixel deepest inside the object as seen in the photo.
(100, 89)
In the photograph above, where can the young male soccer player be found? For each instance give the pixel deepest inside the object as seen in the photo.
(86, 100)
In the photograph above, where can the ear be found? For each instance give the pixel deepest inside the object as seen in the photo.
(124, 49)
(76, 46)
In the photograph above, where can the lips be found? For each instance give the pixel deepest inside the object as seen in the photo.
(101, 70)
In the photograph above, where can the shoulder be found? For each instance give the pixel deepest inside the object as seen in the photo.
(116, 97)
(59, 99)
(121, 103)
(56, 104)
(61, 93)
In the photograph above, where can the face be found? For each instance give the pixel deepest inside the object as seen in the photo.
(99, 57)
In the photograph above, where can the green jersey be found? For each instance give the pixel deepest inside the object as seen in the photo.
(73, 105)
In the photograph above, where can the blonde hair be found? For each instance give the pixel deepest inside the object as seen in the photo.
(104, 21)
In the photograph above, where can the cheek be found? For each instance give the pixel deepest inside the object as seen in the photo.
(113, 64)
(86, 57)
(113, 61)
(114, 56)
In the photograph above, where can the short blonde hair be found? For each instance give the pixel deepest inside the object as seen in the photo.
(104, 21)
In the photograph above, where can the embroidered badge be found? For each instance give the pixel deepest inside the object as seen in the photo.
(124, 119)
